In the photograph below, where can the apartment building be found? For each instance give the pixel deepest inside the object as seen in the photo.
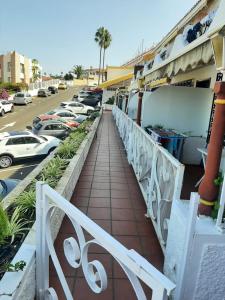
(15, 68)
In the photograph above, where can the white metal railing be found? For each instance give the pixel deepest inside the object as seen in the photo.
(135, 266)
(159, 174)
(220, 222)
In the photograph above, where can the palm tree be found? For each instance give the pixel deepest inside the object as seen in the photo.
(78, 70)
(35, 70)
(107, 42)
(99, 38)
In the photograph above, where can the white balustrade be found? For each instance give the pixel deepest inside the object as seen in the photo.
(135, 266)
(159, 174)
(220, 222)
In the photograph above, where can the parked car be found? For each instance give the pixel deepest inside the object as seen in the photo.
(15, 145)
(44, 93)
(6, 106)
(62, 86)
(91, 101)
(68, 115)
(6, 186)
(53, 128)
(22, 98)
(62, 113)
(53, 89)
(82, 94)
(70, 123)
(77, 107)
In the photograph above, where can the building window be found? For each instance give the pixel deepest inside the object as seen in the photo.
(9, 79)
(22, 68)
(9, 66)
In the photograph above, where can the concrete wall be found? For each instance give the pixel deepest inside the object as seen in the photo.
(132, 106)
(195, 254)
(184, 109)
(180, 108)
(106, 95)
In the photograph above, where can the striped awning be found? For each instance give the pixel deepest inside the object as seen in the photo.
(116, 80)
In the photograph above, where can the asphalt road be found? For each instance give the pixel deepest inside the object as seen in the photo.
(22, 117)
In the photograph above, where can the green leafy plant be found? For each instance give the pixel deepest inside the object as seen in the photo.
(12, 227)
(26, 202)
(4, 232)
(16, 225)
(94, 115)
(18, 266)
(219, 180)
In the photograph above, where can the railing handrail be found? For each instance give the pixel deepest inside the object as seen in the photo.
(158, 173)
(132, 261)
(219, 222)
(160, 148)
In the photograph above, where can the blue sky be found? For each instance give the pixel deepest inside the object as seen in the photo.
(60, 34)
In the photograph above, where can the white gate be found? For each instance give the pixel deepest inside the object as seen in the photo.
(134, 265)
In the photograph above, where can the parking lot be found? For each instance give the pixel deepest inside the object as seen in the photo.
(23, 116)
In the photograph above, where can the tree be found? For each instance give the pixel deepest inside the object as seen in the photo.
(99, 39)
(103, 38)
(36, 74)
(106, 44)
(68, 76)
(78, 70)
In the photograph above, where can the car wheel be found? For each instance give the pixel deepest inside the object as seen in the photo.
(2, 113)
(5, 161)
(12, 109)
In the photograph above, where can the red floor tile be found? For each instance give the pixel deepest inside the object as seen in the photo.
(124, 228)
(99, 202)
(83, 292)
(101, 213)
(122, 214)
(108, 192)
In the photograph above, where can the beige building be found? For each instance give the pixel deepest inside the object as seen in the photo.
(15, 68)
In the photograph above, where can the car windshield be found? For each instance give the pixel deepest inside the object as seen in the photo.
(37, 126)
(3, 187)
(50, 113)
(43, 138)
(19, 95)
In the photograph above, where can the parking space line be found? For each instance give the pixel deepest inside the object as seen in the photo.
(17, 168)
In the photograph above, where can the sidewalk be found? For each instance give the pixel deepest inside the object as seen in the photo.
(109, 194)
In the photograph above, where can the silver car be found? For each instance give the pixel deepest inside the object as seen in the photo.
(52, 128)
(22, 98)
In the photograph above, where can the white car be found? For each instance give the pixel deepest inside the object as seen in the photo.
(77, 107)
(15, 145)
(5, 106)
(22, 98)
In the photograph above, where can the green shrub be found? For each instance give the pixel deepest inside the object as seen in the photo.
(94, 115)
(111, 100)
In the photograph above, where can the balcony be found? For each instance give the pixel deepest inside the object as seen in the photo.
(109, 207)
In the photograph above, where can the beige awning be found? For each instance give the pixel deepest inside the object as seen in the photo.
(197, 57)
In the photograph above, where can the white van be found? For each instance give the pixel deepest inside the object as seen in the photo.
(22, 98)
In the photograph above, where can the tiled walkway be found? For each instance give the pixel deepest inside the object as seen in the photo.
(108, 193)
